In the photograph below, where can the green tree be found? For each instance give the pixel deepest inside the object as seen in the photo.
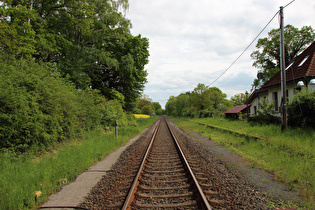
(17, 36)
(203, 101)
(200, 97)
(145, 105)
(217, 97)
(88, 41)
(238, 99)
(156, 106)
(267, 57)
(183, 105)
(170, 107)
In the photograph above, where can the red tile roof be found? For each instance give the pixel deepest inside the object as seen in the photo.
(237, 109)
(301, 66)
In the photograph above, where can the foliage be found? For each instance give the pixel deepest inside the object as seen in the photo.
(265, 114)
(39, 109)
(88, 41)
(144, 103)
(266, 107)
(265, 119)
(301, 111)
(16, 37)
(156, 106)
(267, 57)
(239, 99)
(66, 66)
(160, 111)
(21, 175)
(203, 101)
(170, 107)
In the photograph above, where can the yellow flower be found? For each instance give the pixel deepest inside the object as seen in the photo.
(141, 116)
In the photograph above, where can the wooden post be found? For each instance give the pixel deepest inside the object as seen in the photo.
(116, 129)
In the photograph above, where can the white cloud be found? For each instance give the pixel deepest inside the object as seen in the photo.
(194, 42)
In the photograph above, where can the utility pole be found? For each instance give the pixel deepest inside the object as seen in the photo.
(283, 79)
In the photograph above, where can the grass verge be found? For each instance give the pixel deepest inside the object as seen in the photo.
(289, 155)
(21, 176)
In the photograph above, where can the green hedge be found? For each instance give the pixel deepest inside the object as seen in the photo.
(301, 111)
(38, 108)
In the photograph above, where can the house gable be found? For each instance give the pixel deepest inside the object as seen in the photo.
(301, 68)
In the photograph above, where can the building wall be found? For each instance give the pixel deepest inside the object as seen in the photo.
(275, 95)
(255, 104)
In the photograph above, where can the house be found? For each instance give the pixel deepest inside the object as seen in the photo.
(233, 113)
(300, 73)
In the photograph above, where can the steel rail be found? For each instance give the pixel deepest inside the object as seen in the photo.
(135, 184)
(205, 203)
(131, 193)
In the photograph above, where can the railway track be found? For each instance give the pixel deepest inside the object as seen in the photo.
(165, 179)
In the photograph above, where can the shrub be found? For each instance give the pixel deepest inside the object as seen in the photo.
(301, 111)
(265, 114)
(265, 119)
(36, 107)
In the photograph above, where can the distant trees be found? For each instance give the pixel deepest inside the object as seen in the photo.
(146, 106)
(238, 99)
(203, 101)
(267, 56)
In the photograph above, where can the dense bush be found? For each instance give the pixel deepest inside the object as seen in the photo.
(265, 119)
(39, 109)
(265, 114)
(36, 107)
(301, 111)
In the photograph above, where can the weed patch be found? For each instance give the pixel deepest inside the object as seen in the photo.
(289, 155)
(21, 176)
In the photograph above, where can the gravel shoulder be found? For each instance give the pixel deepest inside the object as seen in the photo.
(261, 179)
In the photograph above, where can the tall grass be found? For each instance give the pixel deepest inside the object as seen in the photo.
(289, 154)
(20, 176)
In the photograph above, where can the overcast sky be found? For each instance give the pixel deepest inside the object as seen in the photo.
(194, 42)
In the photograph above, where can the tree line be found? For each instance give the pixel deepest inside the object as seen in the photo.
(203, 101)
(66, 66)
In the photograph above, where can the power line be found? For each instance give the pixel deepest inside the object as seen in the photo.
(288, 4)
(245, 48)
(250, 44)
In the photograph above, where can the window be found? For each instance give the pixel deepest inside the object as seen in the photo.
(289, 65)
(275, 100)
(303, 61)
